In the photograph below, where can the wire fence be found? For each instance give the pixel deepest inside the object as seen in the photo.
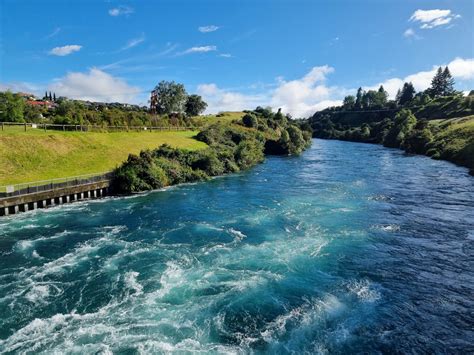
(4, 126)
(53, 184)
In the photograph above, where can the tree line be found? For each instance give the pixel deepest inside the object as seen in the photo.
(171, 105)
(442, 84)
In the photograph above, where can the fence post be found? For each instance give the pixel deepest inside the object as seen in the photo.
(25, 127)
(2, 126)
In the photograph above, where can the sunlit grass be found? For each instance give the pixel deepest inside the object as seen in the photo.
(39, 155)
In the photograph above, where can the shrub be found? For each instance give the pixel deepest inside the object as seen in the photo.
(249, 120)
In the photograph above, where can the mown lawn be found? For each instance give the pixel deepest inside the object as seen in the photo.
(38, 155)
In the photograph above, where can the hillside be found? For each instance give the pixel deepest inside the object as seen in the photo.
(38, 155)
(442, 128)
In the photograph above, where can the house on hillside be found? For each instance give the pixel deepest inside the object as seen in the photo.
(47, 104)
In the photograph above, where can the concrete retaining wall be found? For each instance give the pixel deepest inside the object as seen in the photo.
(44, 199)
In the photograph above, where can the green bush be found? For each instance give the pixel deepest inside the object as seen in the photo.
(231, 148)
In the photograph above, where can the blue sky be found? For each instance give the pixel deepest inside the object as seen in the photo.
(299, 55)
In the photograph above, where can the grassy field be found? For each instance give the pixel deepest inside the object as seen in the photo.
(455, 139)
(38, 155)
(223, 117)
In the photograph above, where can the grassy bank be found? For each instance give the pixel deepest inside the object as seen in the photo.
(38, 155)
(232, 147)
(454, 140)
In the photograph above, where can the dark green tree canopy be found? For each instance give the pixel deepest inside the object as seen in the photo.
(349, 102)
(442, 84)
(195, 105)
(407, 94)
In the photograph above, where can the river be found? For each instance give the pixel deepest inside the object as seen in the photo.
(349, 248)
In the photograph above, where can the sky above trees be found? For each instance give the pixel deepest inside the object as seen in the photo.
(298, 55)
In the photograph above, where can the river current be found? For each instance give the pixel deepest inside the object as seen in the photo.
(348, 248)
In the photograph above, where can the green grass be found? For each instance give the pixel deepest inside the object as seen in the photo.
(223, 117)
(38, 155)
(454, 139)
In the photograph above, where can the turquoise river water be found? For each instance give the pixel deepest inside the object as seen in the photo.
(349, 248)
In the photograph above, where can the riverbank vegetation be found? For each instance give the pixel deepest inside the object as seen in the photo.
(37, 155)
(438, 122)
(232, 147)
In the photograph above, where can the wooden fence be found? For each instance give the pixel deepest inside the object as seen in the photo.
(91, 128)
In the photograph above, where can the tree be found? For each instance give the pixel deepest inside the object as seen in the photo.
(367, 98)
(404, 123)
(249, 120)
(448, 83)
(442, 84)
(50, 97)
(195, 105)
(436, 88)
(349, 102)
(171, 98)
(407, 94)
(54, 97)
(382, 97)
(11, 107)
(358, 103)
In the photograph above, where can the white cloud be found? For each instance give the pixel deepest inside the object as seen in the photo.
(207, 29)
(300, 97)
(225, 55)
(433, 18)
(94, 85)
(65, 50)
(462, 69)
(134, 42)
(225, 100)
(35, 89)
(306, 95)
(121, 10)
(201, 49)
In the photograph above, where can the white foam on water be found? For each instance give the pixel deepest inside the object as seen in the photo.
(131, 282)
(387, 227)
(37, 293)
(35, 255)
(27, 244)
(239, 236)
(364, 290)
(318, 249)
(171, 277)
(303, 319)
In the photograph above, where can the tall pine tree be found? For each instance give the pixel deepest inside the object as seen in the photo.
(407, 94)
(448, 83)
(437, 84)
